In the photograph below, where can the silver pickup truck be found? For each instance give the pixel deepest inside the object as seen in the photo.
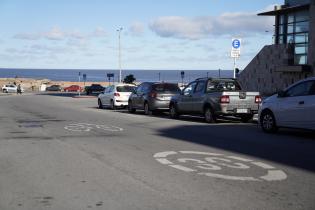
(213, 98)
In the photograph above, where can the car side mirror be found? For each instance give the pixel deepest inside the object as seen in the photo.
(281, 94)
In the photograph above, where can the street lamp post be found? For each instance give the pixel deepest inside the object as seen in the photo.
(119, 52)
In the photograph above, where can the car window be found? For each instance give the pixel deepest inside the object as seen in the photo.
(301, 89)
(223, 86)
(146, 88)
(189, 89)
(312, 90)
(200, 87)
(125, 88)
(139, 89)
(166, 87)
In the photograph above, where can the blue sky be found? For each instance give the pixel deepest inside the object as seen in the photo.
(157, 34)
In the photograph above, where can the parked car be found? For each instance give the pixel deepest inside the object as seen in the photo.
(213, 98)
(293, 107)
(73, 88)
(115, 96)
(54, 88)
(94, 88)
(10, 88)
(152, 97)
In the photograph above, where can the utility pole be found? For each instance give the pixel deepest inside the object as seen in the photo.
(119, 52)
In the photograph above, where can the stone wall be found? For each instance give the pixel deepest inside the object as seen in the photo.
(262, 73)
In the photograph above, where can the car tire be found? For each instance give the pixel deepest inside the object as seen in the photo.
(112, 105)
(130, 108)
(209, 116)
(173, 112)
(100, 105)
(147, 110)
(246, 118)
(268, 122)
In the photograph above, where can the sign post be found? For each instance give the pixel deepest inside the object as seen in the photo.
(109, 75)
(79, 82)
(235, 52)
(182, 74)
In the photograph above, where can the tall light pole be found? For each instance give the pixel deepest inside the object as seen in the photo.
(119, 52)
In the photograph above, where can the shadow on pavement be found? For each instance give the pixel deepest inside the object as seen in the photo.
(290, 147)
(66, 94)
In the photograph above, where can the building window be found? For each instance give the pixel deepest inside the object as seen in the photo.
(293, 28)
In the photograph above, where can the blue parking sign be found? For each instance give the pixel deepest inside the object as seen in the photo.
(236, 43)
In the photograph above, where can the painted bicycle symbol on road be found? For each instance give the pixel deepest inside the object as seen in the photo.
(86, 127)
(220, 166)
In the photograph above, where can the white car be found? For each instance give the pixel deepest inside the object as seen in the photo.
(115, 96)
(10, 88)
(292, 108)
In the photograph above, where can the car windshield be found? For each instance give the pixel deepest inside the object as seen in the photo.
(166, 87)
(126, 88)
(223, 86)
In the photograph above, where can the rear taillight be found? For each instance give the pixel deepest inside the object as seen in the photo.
(116, 94)
(153, 94)
(258, 99)
(225, 99)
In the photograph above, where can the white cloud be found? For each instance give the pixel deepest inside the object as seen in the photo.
(240, 23)
(99, 32)
(136, 28)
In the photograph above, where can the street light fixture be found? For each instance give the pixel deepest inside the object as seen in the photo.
(119, 52)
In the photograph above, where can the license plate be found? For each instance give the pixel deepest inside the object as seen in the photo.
(242, 110)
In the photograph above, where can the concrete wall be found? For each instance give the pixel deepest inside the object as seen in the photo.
(262, 73)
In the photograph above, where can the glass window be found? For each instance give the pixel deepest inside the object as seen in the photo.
(200, 87)
(290, 28)
(125, 88)
(301, 27)
(301, 89)
(166, 87)
(290, 39)
(281, 29)
(302, 16)
(300, 59)
(223, 86)
(301, 49)
(291, 18)
(312, 91)
(282, 19)
(281, 39)
(301, 38)
(189, 89)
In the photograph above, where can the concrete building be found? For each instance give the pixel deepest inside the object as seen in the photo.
(292, 56)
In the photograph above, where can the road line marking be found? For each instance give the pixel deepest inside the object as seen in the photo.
(262, 165)
(200, 153)
(221, 176)
(164, 161)
(240, 158)
(183, 168)
(274, 175)
(164, 154)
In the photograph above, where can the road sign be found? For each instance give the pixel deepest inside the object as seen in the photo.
(84, 77)
(236, 48)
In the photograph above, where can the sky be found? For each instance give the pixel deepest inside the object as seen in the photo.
(157, 34)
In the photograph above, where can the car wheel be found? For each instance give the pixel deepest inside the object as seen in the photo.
(173, 112)
(147, 109)
(246, 118)
(268, 122)
(209, 116)
(100, 105)
(112, 105)
(130, 108)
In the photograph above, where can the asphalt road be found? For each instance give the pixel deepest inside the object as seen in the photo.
(63, 153)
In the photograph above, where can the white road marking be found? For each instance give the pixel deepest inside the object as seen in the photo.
(215, 163)
(239, 158)
(86, 127)
(164, 154)
(263, 165)
(183, 168)
(164, 161)
(200, 153)
(274, 175)
(221, 176)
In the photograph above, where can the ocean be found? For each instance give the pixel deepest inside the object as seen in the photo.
(101, 75)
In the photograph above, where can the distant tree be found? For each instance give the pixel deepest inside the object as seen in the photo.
(129, 79)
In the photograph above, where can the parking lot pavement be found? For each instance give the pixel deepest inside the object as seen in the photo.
(64, 153)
